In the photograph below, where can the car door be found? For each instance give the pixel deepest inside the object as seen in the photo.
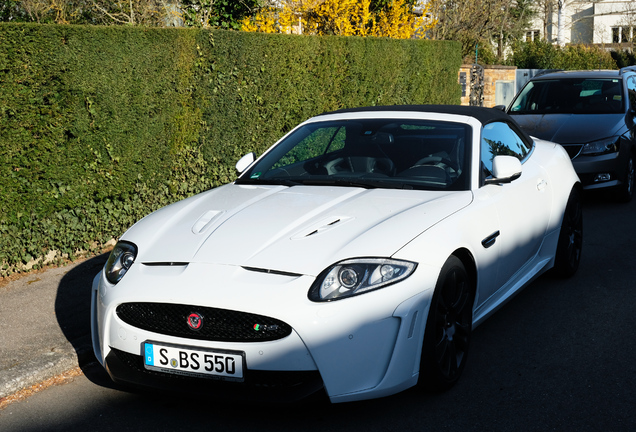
(631, 96)
(522, 206)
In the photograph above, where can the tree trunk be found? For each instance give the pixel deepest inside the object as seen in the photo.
(561, 23)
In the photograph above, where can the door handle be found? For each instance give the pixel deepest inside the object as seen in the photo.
(541, 185)
(490, 240)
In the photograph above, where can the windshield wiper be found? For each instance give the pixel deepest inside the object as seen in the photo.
(365, 183)
(272, 181)
(361, 183)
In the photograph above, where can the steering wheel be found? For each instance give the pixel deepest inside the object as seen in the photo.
(361, 165)
(436, 160)
(338, 165)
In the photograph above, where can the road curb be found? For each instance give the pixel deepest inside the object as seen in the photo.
(36, 370)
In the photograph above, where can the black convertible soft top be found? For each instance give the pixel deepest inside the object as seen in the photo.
(484, 115)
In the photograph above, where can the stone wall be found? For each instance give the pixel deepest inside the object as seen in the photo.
(504, 75)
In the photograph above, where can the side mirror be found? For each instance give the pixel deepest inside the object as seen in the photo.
(505, 169)
(245, 162)
(500, 107)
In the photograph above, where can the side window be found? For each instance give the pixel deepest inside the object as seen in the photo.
(528, 99)
(631, 90)
(499, 139)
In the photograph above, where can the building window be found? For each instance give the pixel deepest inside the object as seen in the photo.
(533, 35)
(621, 34)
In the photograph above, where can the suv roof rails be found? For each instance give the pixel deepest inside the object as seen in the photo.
(627, 69)
(547, 71)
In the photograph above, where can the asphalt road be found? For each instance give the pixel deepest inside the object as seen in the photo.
(560, 356)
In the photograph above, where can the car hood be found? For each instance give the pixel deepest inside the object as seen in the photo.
(570, 128)
(300, 230)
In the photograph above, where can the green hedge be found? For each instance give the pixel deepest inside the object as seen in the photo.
(544, 55)
(102, 125)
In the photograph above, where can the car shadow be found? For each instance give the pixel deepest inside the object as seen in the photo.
(602, 197)
(73, 314)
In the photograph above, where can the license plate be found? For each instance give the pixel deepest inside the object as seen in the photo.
(182, 360)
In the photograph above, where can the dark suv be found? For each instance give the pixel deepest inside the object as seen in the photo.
(591, 114)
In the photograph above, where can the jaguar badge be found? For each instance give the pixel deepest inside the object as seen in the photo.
(195, 321)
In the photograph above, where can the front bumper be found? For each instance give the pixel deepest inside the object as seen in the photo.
(363, 347)
(600, 171)
(259, 386)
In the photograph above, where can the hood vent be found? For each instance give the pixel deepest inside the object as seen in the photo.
(322, 226)
(206, 220)
(268, 271)
(318, 230)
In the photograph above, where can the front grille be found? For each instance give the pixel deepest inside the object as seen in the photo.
(284, 386)
(573, 149)
(220, 325)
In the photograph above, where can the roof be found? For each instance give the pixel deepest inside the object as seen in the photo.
(484, 115)
(579, 74)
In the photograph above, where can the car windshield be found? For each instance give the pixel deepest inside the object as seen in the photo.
(570, 96)
(370, 153)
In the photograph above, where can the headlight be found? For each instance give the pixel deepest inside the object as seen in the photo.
(356, 276)
(606, 145)
(120, 259)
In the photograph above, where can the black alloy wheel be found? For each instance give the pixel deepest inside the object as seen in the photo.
(448, 329)
(627, 189)
(570, 245)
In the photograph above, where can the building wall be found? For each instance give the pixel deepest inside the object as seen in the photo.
(612, 14)
(585, 22)
(581, 30)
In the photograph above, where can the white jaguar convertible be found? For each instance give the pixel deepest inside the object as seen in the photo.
(352, 259)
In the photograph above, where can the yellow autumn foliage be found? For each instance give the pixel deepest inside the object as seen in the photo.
(291, 18)
(397, 22)
(340, 17)
(264, 22)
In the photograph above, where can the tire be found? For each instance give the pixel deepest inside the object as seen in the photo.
(626, 190)
(448, 328)
(570, 245)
